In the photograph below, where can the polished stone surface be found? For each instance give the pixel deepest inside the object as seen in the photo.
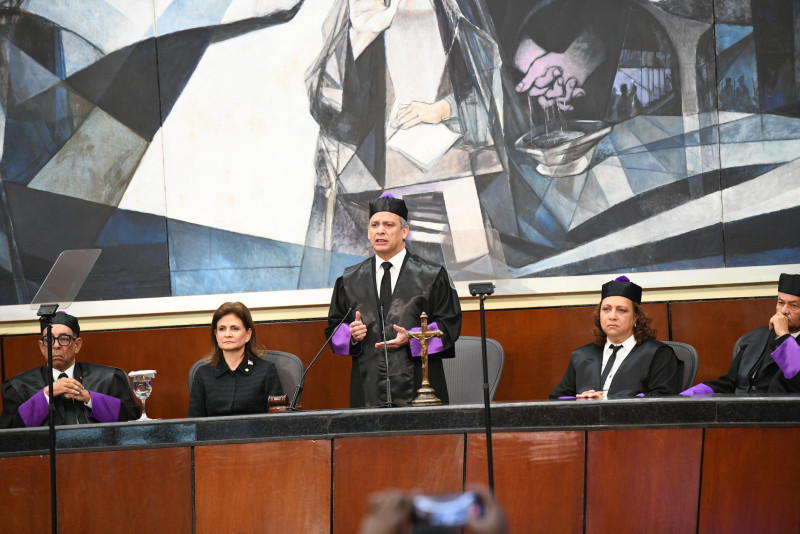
(328, 424)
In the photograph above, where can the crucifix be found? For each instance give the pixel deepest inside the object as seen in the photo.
(425, 394)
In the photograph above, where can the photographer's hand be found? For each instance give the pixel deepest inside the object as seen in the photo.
(387, 513)
(493, 520)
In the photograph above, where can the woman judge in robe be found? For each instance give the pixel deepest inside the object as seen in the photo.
(235, 380)
(625, 359)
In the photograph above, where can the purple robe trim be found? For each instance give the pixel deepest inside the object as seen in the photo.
(567, 397)
(700, 390)
(640, 394)
(434, 344)
(35, 410)
(341, 340)
(105, 409)
(787, 356)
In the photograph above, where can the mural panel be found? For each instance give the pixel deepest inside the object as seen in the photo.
(233, 145)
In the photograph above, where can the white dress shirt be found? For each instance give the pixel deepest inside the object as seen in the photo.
(627, 347)
(394, 272)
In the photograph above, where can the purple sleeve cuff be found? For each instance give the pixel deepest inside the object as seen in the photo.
(434, 344)
(640, 394)
(341, 339)
(105, 409)
(700, 390)
(787, 356)
(34, 411)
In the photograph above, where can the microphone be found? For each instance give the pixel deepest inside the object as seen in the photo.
(298, 390)
(386, 361)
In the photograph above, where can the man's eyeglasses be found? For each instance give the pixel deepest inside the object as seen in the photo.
(63, 339)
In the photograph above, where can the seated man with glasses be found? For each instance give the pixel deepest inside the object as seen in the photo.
(84, 392)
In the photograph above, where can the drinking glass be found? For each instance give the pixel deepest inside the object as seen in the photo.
(142, 386)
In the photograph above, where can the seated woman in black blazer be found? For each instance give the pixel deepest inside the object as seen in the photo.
(633, 363)
(235, 380)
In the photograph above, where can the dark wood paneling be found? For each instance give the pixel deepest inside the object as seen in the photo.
(538, 478)
(750, 480)
(125, 491)
(429, 464)
(327, 384)
(263, 487)
(537, 344)
(170, 351)
(25, 495)
(643, 480)
(713, 327)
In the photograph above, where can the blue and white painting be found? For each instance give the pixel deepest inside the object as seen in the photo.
(228, 146)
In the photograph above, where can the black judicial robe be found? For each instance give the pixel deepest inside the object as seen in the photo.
(103, 379)
(421, 286)
(651, 368)
(753, 371)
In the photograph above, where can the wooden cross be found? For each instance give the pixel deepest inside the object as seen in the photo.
(425, 394)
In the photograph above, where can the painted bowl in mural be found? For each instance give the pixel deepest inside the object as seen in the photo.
(564, 152)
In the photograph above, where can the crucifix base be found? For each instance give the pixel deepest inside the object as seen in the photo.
(426, 397)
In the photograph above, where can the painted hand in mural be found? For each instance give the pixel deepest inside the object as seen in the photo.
(368, 18)
(416, 112)
(557, 78)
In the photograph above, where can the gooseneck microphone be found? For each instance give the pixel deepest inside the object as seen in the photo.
(298, 390)
(386, 361)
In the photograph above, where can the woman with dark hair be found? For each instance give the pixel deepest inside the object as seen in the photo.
(235, 380)
(633, 363)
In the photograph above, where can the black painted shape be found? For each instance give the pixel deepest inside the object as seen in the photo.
(138, 85)
(124, 84)
(748, 239)
(776, 54)
(34, 35)
(136, 266)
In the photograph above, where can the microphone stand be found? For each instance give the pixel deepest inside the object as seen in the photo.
(389, 402)
(47, 311)
(298, 390)
(482, 290)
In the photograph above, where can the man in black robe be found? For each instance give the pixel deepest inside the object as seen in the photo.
(625, 360)
(768, 359)
(414, 286)
(85, 392)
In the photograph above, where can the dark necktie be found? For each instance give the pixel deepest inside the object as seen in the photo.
(62, 406)
(386, 288)
(609, 364)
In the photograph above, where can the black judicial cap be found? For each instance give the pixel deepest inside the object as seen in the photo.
(789, 283)
(622, 287)
(62, 318)
(387, 202)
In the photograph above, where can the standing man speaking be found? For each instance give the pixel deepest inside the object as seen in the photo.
(387, 293)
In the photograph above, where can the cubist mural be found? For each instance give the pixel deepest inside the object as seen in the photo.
(222, 146)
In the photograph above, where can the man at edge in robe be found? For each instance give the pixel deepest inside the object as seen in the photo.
(85, 392)
(415, 286)
(768, 359)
